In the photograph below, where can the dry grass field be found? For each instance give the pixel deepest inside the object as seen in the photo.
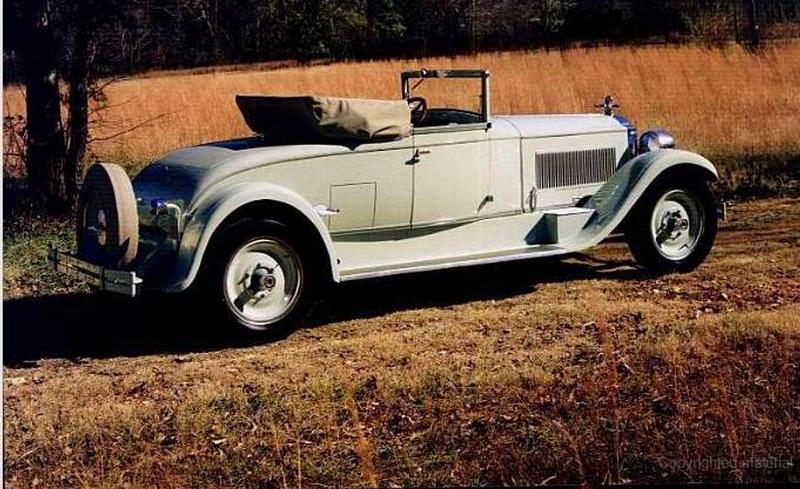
(717, 101)
(586, 370)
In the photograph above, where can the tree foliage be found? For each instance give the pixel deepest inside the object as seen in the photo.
(149, 34)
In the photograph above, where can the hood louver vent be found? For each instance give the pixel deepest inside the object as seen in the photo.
(570, 168)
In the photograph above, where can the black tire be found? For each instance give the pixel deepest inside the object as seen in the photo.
(639, 233)
(232, 239)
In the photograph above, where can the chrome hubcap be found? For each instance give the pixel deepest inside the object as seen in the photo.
(263, 280)
(677, 224)
(102, 227)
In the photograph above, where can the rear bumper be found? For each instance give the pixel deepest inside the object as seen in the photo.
(118, 281)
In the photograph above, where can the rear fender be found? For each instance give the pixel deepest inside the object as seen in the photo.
(615, 199)
(209, 214)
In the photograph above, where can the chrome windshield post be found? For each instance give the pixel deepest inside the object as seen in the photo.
(485, 99)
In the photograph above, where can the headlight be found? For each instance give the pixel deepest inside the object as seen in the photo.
(655, 140)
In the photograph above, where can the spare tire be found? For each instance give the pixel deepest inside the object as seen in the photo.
(108, 223)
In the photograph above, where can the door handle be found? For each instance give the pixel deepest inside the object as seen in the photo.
(325, 210)
(415, 159)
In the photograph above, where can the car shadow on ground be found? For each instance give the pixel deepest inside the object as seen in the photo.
(75, 326)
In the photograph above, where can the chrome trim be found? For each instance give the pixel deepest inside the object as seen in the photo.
(161, 213)
(118, 281)
(656, 139)
(324, 210)
(483, 75)
(465, 220)
(425, 73)
(472, 126)
(417, 229)
(175, 216)
(574, 168)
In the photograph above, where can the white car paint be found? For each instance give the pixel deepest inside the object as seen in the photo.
(444, 197)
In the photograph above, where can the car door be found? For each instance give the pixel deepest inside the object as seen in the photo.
(370, 189)
(450, 173)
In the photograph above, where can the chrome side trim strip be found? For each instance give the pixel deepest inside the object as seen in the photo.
(471, 126)
(466, 220)
(399, 232)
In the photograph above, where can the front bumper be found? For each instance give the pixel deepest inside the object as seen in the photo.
(118, 281)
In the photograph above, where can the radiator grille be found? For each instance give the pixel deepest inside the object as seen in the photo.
(569, 168)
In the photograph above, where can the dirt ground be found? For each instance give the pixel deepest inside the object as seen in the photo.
(541, 372)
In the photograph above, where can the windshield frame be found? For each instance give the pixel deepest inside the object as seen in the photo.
(423, 74)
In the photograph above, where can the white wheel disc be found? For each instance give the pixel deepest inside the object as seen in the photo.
(262, 282)
(677, 224)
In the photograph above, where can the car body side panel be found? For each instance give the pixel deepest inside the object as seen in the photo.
(320, 181)
(485, 239)
(505, 170)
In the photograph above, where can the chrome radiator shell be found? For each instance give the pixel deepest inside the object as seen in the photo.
(571, 168)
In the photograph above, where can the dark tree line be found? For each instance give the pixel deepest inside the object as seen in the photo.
(52, 44)
(148, 34)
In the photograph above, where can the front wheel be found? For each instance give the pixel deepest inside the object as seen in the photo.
(261, 279)
(673, 226)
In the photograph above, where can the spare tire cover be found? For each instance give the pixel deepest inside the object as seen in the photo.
(108, 223)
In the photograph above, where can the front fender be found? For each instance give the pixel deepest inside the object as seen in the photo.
(209, 214)
(615, 199)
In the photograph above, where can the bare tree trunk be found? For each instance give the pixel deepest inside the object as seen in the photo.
(45, 151)
(754, 28)
(78, 103)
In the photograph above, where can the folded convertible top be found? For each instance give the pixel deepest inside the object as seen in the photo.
(317, 119)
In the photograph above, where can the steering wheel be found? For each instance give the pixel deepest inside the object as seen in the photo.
(419, 109)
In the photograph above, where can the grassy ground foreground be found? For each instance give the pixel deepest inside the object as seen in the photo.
(585, 370)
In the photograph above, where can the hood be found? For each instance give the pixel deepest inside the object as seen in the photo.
(538, 126)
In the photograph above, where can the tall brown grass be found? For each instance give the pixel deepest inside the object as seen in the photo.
(721, 101)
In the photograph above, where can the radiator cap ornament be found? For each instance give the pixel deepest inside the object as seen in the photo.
(608, 105)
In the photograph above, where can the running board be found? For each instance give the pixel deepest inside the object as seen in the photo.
(521, 236)
(525, 254)
(559, 225)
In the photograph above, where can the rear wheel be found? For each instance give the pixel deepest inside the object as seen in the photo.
(673, 226)
(261, 279)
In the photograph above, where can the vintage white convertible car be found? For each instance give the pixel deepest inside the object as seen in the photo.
(331, 190)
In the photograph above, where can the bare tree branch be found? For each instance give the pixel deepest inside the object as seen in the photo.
(130, 129)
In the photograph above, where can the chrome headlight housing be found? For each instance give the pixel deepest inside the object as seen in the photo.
(656, 139)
